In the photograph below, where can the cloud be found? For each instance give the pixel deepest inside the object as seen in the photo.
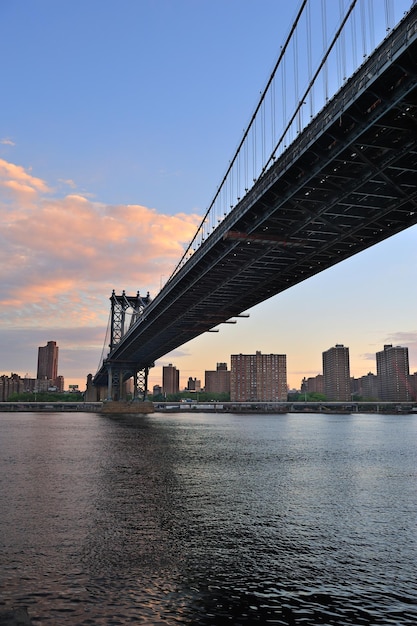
(15, 175)
(403, 338)
(80, 349)
(406, 339)
(7, 142)
(60, 258)
(68, 182)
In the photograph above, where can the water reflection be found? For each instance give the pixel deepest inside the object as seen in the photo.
(209, 519)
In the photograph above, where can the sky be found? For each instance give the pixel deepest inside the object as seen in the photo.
(118, 120)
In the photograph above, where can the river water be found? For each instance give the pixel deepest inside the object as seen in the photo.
(298, 519)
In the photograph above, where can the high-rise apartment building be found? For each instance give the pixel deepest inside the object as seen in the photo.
(258, 377)
(217, 381)
(48, 362)
(393, 372)
(336, 374)
(170, 379)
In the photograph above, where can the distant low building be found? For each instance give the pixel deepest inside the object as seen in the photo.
(29, 384)
(157, 390)
(217, 381)
(10, 385)
(313, 384)
(49, 384)
(368, 386)
(193, 384)
(412, 385)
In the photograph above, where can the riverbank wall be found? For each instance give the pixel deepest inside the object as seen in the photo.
(274, 408)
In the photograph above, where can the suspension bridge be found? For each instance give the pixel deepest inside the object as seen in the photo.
(326, 168)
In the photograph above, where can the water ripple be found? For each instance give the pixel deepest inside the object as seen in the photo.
(204, 520)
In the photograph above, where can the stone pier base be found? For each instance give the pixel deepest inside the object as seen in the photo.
(127, 407)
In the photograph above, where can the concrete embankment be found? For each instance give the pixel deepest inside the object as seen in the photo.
(51, 407)
(117, 408)
(83, 407)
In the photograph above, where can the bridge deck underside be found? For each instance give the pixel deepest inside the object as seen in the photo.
(339, 190)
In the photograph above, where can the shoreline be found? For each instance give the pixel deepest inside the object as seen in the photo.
(248, 408)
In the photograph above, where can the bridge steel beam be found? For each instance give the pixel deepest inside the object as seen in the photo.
(347, 182)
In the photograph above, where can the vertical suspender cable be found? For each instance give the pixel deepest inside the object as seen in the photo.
(238, 183)
(324, 34)
(342, 47)
(353, 40)
(272, 113)
(245, 154)
(296, 82)
(263, 131)
(363, 27)
(371, 24)
(322, 64)
(389, 15)
(284, 93)
(310, 59)
(254, 148)
(338, 50)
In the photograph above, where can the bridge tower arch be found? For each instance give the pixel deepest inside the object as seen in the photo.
(125, 312)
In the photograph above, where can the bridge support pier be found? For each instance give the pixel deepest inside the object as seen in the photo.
(117, 375)
(140, 384)
(114, 383)
(109, 383)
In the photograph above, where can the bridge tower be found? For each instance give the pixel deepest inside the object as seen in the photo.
(124, 307)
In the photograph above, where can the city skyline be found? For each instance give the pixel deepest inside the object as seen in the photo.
(228, 365)
(120, 147)
(260, 377)
(171, 380)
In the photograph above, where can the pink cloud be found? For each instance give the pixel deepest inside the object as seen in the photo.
(60, 258)
(9, 172)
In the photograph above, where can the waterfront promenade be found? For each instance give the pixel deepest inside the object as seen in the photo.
(216, 407)
(34, 407)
